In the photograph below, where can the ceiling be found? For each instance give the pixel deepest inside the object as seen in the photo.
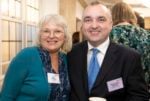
(141, 6)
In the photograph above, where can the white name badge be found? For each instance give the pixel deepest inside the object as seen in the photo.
(115, 84)
(53, 78)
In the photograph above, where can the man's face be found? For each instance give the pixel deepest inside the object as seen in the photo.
(97, 24)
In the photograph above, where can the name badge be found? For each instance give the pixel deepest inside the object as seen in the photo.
(53, 78)
(115, 84)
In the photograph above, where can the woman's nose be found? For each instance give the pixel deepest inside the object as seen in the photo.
(51, 34)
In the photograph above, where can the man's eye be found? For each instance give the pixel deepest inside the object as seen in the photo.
(101, 19)
(87, 20)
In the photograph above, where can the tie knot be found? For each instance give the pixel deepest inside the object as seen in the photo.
(95, 51)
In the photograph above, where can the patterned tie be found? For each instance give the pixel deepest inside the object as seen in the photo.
(93, 68)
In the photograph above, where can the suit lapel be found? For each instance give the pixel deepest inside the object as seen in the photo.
(106, 65)
(81, 71)
(84, 68)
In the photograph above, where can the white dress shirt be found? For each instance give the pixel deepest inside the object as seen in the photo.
(101, 54)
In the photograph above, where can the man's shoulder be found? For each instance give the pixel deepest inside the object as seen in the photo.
(79, 48)
(122, 49)
(80, 45)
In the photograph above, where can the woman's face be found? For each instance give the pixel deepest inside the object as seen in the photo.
(52, 37)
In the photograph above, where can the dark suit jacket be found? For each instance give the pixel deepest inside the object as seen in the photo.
(119, 62)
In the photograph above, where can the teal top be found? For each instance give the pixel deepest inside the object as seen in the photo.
(25, 79)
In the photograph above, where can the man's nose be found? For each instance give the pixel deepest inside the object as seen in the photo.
(94, 24)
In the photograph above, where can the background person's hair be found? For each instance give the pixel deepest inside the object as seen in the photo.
(122, 12)
(60, 21)
(140, 20)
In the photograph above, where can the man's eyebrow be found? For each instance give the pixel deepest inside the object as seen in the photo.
(101, 17)
(86, 17)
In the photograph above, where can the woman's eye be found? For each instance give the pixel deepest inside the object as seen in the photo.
(46, 31)
(58, 31)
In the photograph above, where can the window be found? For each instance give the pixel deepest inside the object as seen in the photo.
(32, 18)
(18, 26)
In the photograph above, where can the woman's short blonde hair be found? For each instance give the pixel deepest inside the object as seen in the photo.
(60, 21)
(122, 12)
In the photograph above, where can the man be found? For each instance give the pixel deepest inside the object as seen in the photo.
(120, 76)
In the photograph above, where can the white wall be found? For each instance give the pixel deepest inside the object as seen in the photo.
(49, 7)
(52, 7)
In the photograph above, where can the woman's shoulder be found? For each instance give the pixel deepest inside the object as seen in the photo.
(123, 28)
(129, 30)
(28, 51)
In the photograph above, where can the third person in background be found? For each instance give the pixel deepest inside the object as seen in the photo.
(126, 31)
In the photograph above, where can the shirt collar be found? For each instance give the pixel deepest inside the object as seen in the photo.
(102, 47)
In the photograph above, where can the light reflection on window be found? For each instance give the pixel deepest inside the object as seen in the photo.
(11, 8)
(4, 7)
(20, 18)
(18, 9)
(32, 11)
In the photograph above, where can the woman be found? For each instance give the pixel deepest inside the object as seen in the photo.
(126, 31)
(39, 73)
